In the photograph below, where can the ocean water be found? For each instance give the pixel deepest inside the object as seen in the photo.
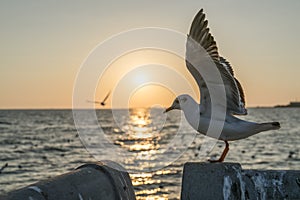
(39, 144)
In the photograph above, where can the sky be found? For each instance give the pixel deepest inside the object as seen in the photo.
(45, 43)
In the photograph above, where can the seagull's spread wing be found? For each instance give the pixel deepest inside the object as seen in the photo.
(106, 97)
(199, 33)
(92, 101)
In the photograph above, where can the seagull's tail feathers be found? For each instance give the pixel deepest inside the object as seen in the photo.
(269, 126)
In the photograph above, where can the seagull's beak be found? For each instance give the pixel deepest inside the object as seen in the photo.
(168, 109)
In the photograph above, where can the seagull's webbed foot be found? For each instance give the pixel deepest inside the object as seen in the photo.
(221, 159)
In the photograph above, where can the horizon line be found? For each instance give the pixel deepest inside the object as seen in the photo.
(121, 108)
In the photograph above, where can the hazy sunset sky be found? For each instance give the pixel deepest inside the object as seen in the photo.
(44, 43)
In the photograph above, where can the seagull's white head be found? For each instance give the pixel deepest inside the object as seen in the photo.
(181, 102)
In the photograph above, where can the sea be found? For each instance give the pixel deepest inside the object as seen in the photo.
(41, 144)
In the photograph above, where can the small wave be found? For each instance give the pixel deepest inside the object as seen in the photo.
(5, 123)
(19, 151)
(68, 130)
(47, 148)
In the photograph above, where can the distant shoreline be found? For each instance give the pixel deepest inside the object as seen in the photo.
(292, 104)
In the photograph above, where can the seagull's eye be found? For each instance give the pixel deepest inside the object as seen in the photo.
(177, 101)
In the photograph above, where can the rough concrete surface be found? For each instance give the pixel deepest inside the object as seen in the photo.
(90, 181)
(229, 181)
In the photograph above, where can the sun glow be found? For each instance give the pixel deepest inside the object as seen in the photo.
(132, 77)
(146, 96)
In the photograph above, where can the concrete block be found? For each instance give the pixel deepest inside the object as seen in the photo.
(91, 181)
(229, 181)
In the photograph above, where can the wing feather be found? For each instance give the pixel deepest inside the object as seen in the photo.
(199, 32)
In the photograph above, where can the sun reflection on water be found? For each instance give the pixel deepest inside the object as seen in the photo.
(141, 136)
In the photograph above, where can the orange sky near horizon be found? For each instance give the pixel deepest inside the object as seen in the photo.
(43, 45)
(149, 76)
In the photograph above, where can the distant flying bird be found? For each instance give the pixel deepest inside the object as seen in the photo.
(102, 103)
(199, 115)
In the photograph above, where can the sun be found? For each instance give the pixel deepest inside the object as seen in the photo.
(134, 79)
(151, 95)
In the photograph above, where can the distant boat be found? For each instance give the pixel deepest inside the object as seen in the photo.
(293, 104)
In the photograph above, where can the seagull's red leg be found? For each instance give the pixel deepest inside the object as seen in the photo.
(221, 159)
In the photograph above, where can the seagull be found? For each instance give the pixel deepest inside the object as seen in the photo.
(102, 103)
(199, 116)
